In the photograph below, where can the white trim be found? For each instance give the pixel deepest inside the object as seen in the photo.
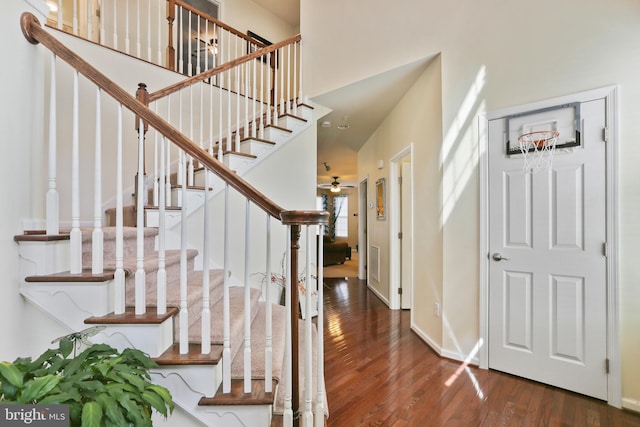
(609, 93)
(631, 404)
(363, 238)
(378, 294)
(427, 339)
(394, 219)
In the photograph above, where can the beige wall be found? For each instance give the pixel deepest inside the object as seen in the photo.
(494, 55)
(246, 15)
(400, 129)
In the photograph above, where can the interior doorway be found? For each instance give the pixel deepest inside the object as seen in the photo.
(401, 238)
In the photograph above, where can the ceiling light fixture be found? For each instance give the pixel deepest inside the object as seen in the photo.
(335, 185)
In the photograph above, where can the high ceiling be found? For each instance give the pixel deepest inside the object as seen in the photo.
(362, 106)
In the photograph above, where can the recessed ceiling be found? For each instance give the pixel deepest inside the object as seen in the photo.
(365, 104)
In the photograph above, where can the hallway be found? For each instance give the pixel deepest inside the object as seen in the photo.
(379, 373)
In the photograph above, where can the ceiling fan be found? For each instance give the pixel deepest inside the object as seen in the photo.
(335, 186)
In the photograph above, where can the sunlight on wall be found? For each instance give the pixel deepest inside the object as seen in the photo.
(460, 147)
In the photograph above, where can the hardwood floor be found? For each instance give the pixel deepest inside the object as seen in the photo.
(380, 373)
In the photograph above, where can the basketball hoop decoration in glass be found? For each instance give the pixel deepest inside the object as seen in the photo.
(538, 148)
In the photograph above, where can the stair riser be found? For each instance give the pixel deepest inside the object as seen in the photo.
(193, 381)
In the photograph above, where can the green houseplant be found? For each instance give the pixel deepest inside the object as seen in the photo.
(101, 385)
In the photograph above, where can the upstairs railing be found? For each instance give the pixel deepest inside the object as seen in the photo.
(169, 33)
(129, 110)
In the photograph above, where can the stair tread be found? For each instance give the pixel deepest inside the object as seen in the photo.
(40, 236)
(237, 396)
(66, 276)
(194, 356)
(151, 317)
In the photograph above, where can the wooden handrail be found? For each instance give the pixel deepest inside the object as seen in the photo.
(210, 18)
(222, 68)
(34, 33)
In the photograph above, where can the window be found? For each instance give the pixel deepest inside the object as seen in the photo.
(341, 213)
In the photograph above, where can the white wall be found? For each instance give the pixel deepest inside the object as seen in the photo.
(244, 15)
(494, 55)
(416, 120)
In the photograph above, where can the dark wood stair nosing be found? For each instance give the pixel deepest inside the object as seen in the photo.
(151, 317)
(237, 396)
(66, 276)
(194, 356)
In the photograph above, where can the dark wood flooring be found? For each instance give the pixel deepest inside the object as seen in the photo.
(380, 373)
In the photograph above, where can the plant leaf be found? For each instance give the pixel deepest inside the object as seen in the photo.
(39, 387)
(164, 394)
(153, 399)
(56, 399)
(91, 414)
(66, 347)
(135, 380)
(11, 373)
(112, 409)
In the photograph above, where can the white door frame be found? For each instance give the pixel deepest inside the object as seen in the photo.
(363, 238)
(610, 94)
(394, 226)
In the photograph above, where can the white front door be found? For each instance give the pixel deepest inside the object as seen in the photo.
(547, 267)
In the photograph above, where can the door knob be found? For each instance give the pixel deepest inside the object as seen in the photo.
(498, 257)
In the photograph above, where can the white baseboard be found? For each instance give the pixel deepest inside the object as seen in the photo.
(379, 295)
(427, 339)
(454, 355)
(631, 404)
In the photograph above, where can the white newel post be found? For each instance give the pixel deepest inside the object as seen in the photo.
(226, 343)
(162, 273)
(320, 393)
(184, 312)
(308, 348)
(288, 364)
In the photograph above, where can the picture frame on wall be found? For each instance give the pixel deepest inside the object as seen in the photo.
(380, 199)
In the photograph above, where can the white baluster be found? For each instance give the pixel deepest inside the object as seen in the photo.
(268, 348)
(89, 24)
(162, 272)
(282, 87)
(76, 233)
(211, 123)
(238, 117)
(53, 203)
(156, 148)
(140, 276)
(97, 237)
(206, 312)
(60, 14)
(207, 40)
(126, 29)
(226, 319)
(320, 394)
(198, 47)
(294, 107)
(269, 98)
(138, 42)
(184, 311)
(180, 48)
(191, 114)
(221, 128)
(253, 103)
(307, 416)
(190, 32)
(75, 17)
(300, 62)
(288, 367)
(181, 166)
(247, 298)
(261, 131)
(103, 39)
(167, 188)
(245, 69)
(159, 42)
(149, 30)
(118, 279)
(115, 25)
(288, 78)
